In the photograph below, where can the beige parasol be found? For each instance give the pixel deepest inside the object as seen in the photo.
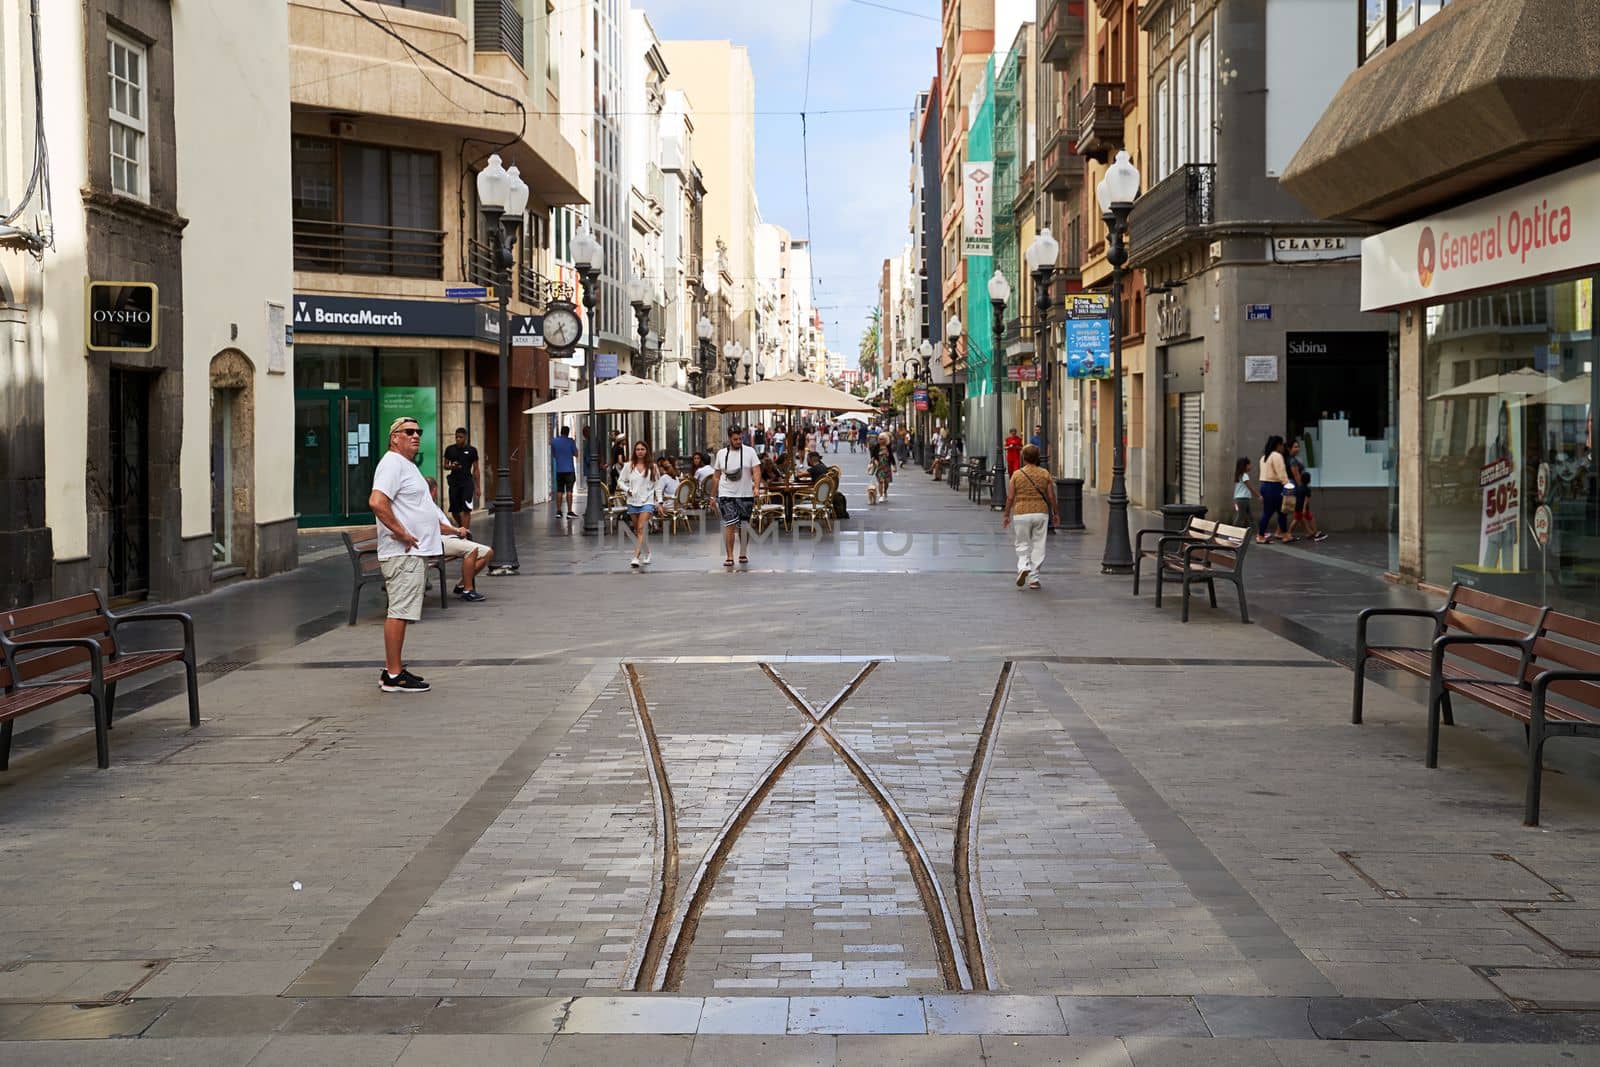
(624, 393)
(1524, 382)
(787, 390)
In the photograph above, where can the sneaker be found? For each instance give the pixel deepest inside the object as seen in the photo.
(1034, 584)
(646, 560)
(402, 683)
(458, 590)
(634, 563)
(572, 514)
(472, 596)
(1320, 537)
(405, 672)
(1022, 579)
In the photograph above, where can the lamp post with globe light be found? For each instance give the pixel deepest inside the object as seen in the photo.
(503, 198)
(704, 329)
(1117, 191)
(1041, 257)
(589, 258)
(952, 331)
(999, 297)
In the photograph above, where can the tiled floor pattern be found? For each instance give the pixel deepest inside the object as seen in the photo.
(551, 897)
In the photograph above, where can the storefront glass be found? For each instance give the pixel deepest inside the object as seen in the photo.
(1509, 480)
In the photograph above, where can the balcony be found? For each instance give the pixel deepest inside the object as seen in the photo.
(1061, 31)
(1060, 166)
(360, 248)
(1100, 121)
(1005, 137)
(1177, 209)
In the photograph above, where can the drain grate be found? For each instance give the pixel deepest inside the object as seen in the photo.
(221, 666)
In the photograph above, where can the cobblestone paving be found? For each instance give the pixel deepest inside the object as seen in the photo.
(551, 897)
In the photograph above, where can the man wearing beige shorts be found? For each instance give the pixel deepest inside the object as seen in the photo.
(408, 534)
(459, 545)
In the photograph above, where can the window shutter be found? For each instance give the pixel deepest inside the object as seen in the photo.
(497, 27)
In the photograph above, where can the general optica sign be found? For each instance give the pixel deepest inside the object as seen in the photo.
(1544, 227)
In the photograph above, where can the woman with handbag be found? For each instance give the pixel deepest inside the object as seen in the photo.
(1277, 491)
(1030, 511)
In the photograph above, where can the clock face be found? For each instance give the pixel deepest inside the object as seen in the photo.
(561, 328)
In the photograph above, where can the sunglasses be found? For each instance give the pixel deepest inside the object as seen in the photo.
(410, 431)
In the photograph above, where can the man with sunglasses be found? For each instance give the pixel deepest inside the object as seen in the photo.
(408, 534)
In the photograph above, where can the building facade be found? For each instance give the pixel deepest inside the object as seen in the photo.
(147, 380)
(1484, 265)
(385, 220)
(1254, 324)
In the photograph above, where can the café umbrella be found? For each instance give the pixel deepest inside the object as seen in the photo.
(788, 390)
(624, 393)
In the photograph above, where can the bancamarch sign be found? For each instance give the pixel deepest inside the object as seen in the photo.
(121, 316)
(374, 316)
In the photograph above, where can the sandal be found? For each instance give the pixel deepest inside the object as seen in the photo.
(744, 559)
(727, 563)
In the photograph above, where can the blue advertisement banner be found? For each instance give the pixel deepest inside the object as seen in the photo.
(1088, 348)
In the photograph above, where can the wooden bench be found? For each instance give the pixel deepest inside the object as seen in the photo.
(1219, 557)
(362, 552)
(45, 648)
(1198, 529)
(1466, 612)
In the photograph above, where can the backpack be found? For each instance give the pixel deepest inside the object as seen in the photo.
(840, 511)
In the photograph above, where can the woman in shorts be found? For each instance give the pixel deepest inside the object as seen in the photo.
(641, 481)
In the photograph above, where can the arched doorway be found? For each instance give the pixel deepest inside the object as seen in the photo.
(233, 501)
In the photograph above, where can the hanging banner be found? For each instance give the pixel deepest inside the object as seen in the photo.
(977, 211)
(1500, 527)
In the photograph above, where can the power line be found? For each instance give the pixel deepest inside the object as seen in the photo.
(897, 10)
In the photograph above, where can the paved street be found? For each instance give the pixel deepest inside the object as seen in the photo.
(795, 815)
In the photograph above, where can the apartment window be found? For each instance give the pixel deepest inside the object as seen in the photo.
(366, 209)
(1180, 114)
(1204, 102)
(1383, 22)
(129, 77)
(1162, 139)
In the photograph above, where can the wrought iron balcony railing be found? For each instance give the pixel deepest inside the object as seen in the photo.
(363, 248)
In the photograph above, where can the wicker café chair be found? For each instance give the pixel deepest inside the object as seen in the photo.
(681, 508)
(816, 506)
(616, 509)
(769, 508)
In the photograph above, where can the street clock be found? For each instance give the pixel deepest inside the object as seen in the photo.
(562, 327)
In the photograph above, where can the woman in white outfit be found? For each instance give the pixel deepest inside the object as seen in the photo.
(1030, 510)
(642, 483)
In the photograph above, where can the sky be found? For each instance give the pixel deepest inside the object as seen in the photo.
(865, 59)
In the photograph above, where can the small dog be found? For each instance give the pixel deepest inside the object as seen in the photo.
(872, 494)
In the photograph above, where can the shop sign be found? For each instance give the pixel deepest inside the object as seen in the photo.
(122, 316)
(1260, 368)
(375, 316)
(1543, 227)
(605, 365)
(1028, 373)
(1305, 249)
(1172, 317)
(527, 331)
(977, 211)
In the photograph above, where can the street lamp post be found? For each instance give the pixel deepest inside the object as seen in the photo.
(999, 297)
(1117, 192)
(503, 198)
(1041, 255)
(704, 329)
(952, 330)
(588, 257)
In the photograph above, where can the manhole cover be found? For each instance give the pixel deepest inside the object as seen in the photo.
(1546, 988)
(240, 750)
(1573, 932)
(75, 981)
(1464, 876)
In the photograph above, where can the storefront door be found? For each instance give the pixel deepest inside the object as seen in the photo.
(128, 550)
(336, 447)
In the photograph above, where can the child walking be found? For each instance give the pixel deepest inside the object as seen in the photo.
(1244, 493)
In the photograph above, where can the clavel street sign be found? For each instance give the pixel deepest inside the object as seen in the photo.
(121, 316)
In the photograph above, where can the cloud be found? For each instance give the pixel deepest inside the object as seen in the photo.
(781, 22)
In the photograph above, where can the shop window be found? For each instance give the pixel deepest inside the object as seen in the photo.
(436, 7)
(1383, 22)
(1509, 485)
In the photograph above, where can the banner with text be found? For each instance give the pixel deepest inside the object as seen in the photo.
(977, 210)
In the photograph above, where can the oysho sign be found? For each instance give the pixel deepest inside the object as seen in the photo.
(121, 316)
(1544, 227)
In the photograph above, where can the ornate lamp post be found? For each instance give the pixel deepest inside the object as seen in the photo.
(704, 329)
(999, 297)
(953, 330)
(1117, 191)
(588, 257)
(639, 297)
(503, 198)
(1041, 256)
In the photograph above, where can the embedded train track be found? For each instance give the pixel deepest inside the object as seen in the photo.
(960, 937)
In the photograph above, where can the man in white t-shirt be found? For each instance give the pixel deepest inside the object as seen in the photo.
(408, 534)
(734, 485)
